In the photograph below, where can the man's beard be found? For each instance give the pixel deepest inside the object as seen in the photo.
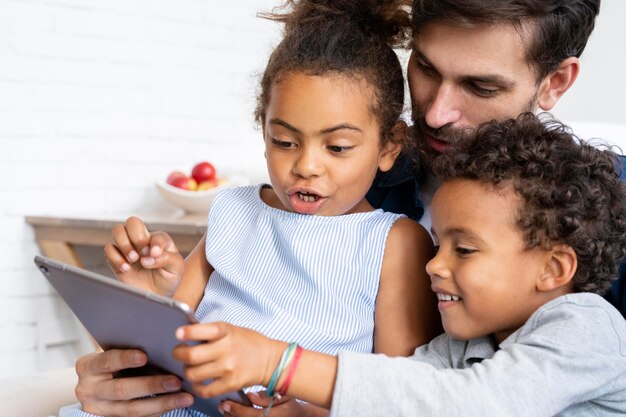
(429, 159)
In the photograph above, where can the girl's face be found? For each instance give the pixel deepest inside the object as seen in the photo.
(484, 275)
(322, 144)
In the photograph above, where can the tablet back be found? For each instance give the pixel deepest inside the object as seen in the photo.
(120, 316)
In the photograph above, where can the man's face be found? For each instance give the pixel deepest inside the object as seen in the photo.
(460, 77)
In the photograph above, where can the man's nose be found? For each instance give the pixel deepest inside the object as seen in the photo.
(443, 109)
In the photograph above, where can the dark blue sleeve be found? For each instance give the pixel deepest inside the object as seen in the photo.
(397, 190)
(617, 294)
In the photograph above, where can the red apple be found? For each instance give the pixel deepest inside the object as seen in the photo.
(174, 175)
(185, 183)
(203, 171)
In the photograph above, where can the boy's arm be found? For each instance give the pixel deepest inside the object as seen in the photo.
(406, 309)
(562, 357)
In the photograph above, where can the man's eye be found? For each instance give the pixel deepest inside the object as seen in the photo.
(426, 69)
(282, 143)
(483, 92)
(339, 149)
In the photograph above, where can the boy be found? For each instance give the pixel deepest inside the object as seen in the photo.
(531, 226)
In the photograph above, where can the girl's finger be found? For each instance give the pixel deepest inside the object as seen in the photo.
(138, 234)
(123, 243)
(116, 259)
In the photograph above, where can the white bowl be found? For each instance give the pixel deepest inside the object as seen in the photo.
(197, 201)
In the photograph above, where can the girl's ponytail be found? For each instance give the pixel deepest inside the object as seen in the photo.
(385, 20)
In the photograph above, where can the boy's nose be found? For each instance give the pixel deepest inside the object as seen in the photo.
(436, 267)
(443, 109)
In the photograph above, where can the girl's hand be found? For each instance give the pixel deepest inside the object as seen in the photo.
(233, 357)
(145, 260)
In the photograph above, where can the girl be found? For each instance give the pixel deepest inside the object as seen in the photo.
(307, 258)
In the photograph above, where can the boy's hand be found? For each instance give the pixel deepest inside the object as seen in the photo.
(145, 260)
(234, 357)
(286, 406)
(101, 394)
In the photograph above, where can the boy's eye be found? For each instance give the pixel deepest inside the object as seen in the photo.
(283, 143)
(464, 251)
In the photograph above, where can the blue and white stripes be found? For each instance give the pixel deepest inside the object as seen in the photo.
(307, 279)
(293, 277)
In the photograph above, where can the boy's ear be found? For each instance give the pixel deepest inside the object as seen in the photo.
(557, 83)
(393, 147)
(560, 268)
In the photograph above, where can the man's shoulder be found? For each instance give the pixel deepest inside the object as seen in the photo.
(398, 189)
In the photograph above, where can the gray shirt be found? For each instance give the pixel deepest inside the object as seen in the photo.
(569, 359)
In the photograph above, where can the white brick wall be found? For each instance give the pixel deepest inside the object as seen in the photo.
(98, 99)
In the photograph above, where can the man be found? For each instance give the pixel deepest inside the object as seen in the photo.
(472, 61)
(478, 60)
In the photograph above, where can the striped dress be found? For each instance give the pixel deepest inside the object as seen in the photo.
(292, 277)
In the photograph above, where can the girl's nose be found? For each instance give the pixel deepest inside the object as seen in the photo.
(308, 164)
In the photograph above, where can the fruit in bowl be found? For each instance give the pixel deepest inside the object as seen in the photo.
(194, 193)
(203, 172)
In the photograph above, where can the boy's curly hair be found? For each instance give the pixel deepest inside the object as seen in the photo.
(571, 191)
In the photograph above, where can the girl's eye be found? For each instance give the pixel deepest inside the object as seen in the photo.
(436, 248)
(282, 143)
(339, 149)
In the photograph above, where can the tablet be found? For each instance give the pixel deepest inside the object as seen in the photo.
(120, 316)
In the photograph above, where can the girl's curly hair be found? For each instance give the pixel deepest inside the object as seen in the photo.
(354, 38)
(571, 190)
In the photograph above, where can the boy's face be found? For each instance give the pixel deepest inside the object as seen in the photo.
(322, 144)
(483, 274)
(460, 77)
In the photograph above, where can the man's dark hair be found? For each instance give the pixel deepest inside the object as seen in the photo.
(353, 38)
(558, 29)
(570, 191)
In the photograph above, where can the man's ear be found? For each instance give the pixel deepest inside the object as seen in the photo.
(557, 83)
(559, 270)
(393, 147)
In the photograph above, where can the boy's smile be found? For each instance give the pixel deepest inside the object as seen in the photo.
(483, 274)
